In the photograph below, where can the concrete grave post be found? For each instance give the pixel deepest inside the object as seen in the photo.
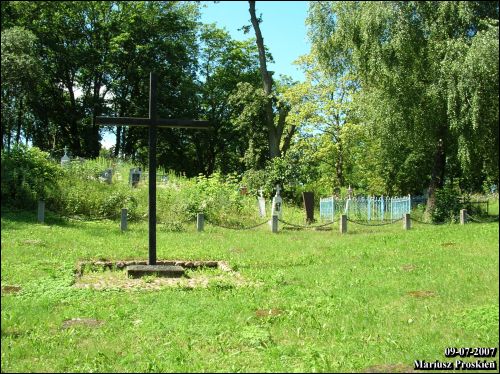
(343, 224)
(463, 216)
(123, 223)
(200, 222)
(406, 221)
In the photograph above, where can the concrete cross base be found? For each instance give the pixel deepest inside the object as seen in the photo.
(165, 271)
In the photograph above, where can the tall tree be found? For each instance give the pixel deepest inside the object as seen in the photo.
(399, 53)
(322, 107)
(224, 63)
(20, 70)
(275, 110)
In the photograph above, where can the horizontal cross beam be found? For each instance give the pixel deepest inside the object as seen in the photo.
(146, 122)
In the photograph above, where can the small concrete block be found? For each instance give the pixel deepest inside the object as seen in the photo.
(166, 271)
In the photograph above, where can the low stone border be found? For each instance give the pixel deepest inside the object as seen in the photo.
(121, 265)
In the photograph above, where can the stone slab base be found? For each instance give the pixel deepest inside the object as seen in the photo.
(166, 271)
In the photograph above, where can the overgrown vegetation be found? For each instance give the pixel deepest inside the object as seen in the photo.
(79, 190)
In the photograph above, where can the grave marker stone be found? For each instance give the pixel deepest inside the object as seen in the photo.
(262, 204)
(107, 175)
(65, 160)
(349, 192)
(308, 198)
(243, 190)
(134, 176)
(277, 203)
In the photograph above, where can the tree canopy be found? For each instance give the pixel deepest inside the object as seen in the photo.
(427, 85)
(398, 97)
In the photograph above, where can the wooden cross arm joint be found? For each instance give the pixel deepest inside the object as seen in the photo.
(146, 122)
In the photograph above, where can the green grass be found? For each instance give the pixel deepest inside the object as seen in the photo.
(339, 302)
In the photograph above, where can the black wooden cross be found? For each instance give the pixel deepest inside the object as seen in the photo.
(152, 123)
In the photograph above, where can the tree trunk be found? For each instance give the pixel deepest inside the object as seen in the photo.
(437, 177)
(288, 140)
(339, 166)
(274, 136)
(19, 120)
(74, 133)
(118, 140)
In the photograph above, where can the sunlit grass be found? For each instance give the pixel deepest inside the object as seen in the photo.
(374, 296)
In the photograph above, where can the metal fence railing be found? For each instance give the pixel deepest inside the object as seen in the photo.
(367, 208)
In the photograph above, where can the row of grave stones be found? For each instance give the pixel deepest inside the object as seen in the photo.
(107, 175)
(135, 175)
(277, 204)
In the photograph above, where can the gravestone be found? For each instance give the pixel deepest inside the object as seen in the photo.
(107, 175)
(262, 204)
(65, 160)
(349, 192)
(134, 176)
(277, 203)
(243, 190)
(308, 198)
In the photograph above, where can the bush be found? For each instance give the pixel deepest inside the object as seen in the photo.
(447, 205)
(92, 198)
(28, 174)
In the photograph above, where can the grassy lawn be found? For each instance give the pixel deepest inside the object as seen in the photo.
(377, 298)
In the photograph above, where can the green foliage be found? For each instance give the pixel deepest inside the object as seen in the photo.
(447, 206)
(28, 174)
(426, 74)
(20, 72)
(293, 172)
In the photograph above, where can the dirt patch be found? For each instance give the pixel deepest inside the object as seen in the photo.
(236, 250)
(87, 322)
(389, 368)
(422, 293)
(448, 244)
(262, 313)
(408, 267)
(11, 289)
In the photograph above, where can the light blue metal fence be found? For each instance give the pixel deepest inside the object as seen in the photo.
(366, 208)
(326, 208)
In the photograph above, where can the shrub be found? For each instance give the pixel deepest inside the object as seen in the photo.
(447, 205)
(28, 174)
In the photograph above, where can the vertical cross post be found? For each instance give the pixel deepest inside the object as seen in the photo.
(153, 98)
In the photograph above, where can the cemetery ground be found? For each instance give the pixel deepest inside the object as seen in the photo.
(374, 299)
